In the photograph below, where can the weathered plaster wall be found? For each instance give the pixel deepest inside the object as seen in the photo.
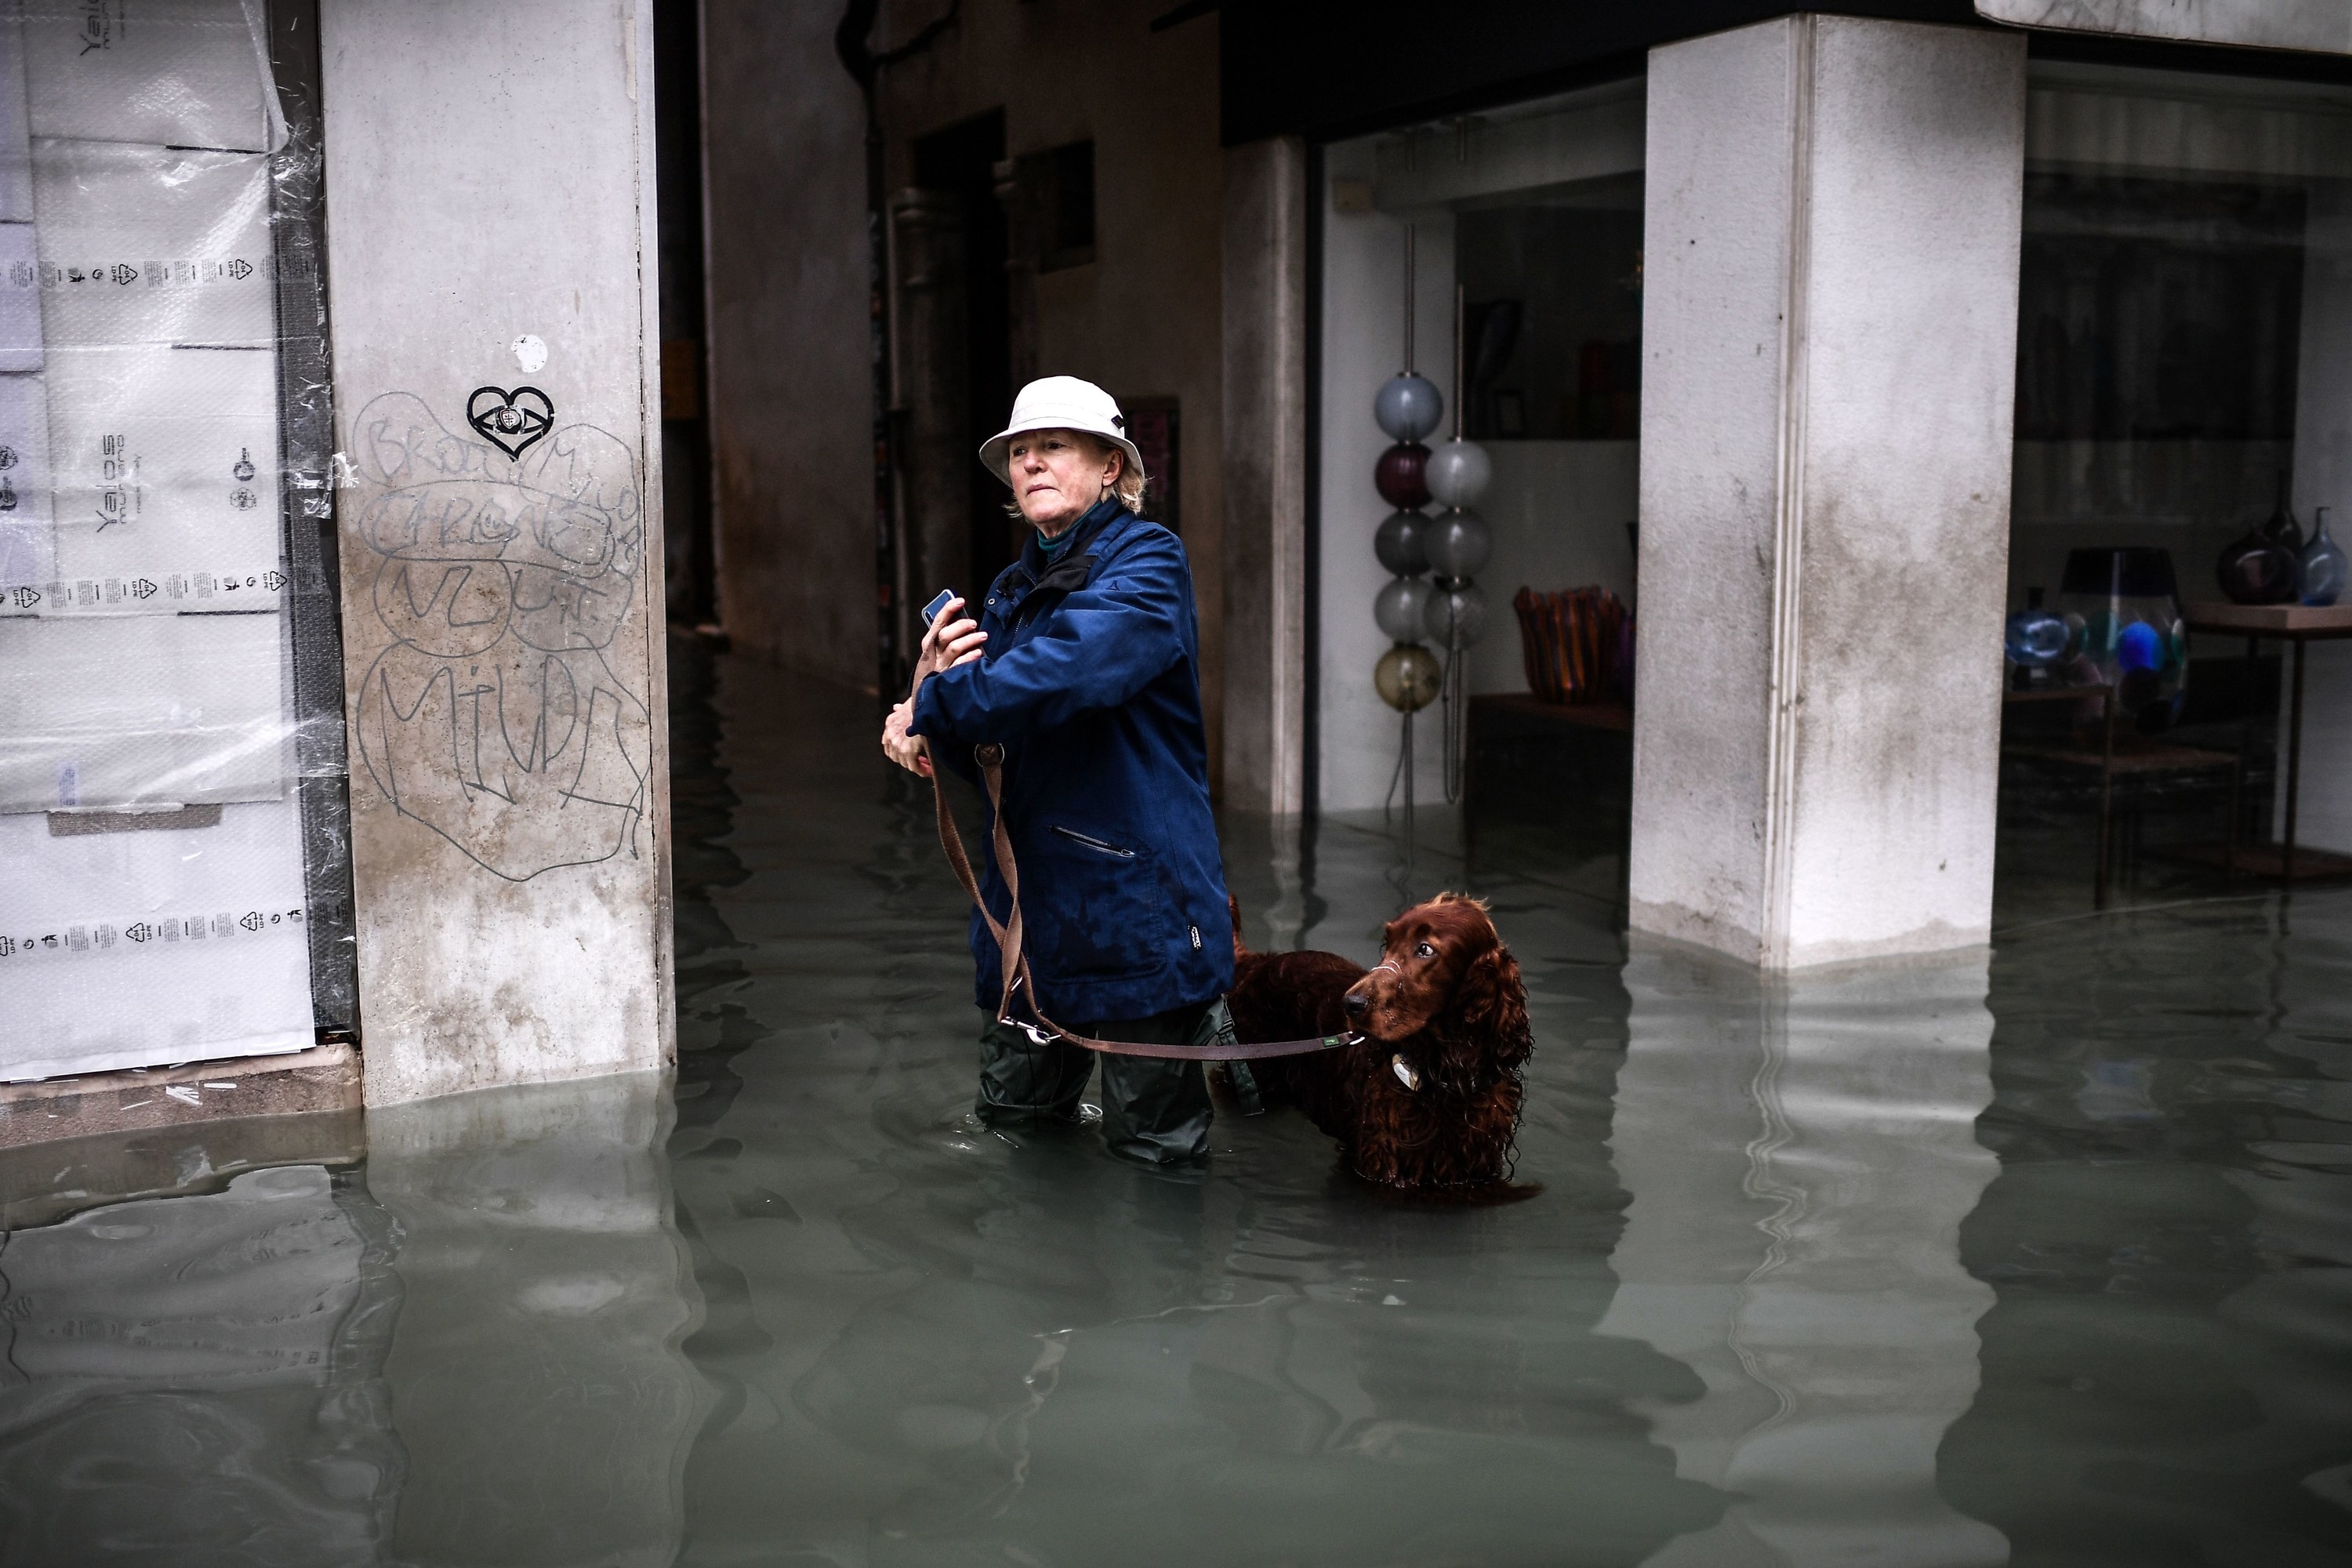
(791, 395)
(490, 179)
(1829, 329)
(1142, 320)
(1265, 476)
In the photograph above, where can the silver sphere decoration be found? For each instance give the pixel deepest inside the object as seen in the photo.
(1400, 543)
(1455, 613)
(1459, 472)
(1401, 608)
(1409, 407)
(1457, 543)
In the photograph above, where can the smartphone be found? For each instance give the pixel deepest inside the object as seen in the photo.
(932, 611)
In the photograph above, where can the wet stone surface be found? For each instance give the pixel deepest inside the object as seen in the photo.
(2046, 1260)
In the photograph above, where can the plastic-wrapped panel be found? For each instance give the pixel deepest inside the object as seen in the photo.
(131, 946)
(107, 710)
(168, 73)
(173, 817)
(27, 544)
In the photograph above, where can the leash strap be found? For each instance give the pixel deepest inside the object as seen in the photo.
(1015, 962)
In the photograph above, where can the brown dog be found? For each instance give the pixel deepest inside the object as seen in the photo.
(1430, 1100)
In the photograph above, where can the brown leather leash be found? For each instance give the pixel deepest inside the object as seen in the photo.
(1008, 934)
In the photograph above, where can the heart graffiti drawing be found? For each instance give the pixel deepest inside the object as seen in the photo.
(510, 421)
(502, 708)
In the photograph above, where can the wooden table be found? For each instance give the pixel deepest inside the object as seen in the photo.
(1613, 716)
(2296, 624)
(2134, 758)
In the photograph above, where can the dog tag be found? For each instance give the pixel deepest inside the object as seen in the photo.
(1405, 1074)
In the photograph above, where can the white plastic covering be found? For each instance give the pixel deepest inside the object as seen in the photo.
(152, 886)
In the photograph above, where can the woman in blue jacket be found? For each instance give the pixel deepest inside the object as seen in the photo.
(1083, 666)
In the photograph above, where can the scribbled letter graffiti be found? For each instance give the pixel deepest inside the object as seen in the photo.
(494, 717)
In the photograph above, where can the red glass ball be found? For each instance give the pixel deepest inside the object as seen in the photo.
(1403, 476)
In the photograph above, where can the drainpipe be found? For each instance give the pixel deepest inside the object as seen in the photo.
(864, 65)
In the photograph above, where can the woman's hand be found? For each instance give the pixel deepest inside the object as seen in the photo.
(909, 751)
(951, 640)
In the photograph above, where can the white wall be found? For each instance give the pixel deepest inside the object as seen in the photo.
(1364, 345)
(489, 175)
(1829, 333)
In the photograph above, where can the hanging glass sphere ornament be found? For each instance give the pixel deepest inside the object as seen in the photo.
(1399, 543)
(1403, 609)
(1455, 615)
(1458, 473)
(1407, 678)
(1457, 543)
(1407, 406)
(1399, 476)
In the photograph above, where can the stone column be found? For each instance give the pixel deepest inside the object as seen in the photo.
(491, 270)
(933, 393)
(1265, 476)
(1829, 324)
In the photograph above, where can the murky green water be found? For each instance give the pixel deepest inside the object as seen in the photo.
(2044, 1261)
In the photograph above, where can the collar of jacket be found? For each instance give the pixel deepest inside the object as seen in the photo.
(1075, 563)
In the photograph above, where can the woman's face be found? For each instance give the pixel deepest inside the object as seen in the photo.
(1058, 474)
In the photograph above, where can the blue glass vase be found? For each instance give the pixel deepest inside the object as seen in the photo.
(2035, 639)
(2319, 568)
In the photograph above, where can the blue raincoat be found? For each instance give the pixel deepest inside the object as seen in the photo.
(1091, 682)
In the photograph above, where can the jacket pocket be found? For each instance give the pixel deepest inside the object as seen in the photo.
(1094, 906)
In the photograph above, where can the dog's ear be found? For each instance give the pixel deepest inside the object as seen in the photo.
(1494, 1004)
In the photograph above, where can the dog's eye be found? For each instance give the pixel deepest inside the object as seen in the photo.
(1424, 950)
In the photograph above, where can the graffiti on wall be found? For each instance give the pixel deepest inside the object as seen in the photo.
(507, 559)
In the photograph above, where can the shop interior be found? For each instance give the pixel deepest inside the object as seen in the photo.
(2181, 446)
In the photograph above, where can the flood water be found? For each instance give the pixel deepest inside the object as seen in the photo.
(2045, 1258)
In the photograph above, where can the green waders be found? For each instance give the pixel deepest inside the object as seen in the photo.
(1155, 1109)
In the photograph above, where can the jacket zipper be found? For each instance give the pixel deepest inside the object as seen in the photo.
(1096, 843)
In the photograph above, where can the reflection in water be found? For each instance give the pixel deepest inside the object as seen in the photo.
(1801, 1156)
(2169, 1371)
(1735, 1326)
(196, 1380)
(536, 1382)
(932, 1344)
(470, 1356)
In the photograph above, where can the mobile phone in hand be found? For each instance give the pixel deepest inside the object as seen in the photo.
(932, 611)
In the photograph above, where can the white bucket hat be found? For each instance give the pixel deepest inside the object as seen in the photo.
(1062, 403)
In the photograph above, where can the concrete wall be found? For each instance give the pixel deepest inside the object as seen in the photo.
(1829, 331)
(489, 180)
(791, 395)
(1265, 476)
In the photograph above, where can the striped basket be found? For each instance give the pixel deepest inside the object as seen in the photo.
(1578, 645)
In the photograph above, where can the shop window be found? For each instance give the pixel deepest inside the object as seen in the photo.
(1552, 320)
(2185, 292)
